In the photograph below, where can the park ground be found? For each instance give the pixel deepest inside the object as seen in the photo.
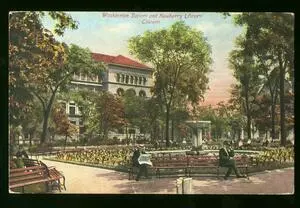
(90, 180)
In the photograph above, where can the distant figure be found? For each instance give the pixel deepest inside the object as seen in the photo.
(226, 155)
(136, 162)
(21, 153)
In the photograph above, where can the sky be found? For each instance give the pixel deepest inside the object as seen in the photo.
(108, 33)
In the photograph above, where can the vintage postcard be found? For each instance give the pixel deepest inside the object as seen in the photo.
(151, 102)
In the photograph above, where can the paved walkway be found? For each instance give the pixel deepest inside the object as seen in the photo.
(83, 179)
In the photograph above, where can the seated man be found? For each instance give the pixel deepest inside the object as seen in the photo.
(21, 153)
(137, 163)
(226, 155)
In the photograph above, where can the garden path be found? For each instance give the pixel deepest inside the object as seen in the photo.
(84, 179)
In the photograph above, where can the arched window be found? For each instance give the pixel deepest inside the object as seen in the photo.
(131, 79)
(135, 80)
(144, 80)
(122, 78)
(118, 78)
(120, 91)
(142, 93)
(127, 79)
(140, 80)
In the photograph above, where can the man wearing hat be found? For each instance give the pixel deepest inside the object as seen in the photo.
(226, 155)
(140, 149)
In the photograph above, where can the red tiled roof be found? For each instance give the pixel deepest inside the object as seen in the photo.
(120, 60)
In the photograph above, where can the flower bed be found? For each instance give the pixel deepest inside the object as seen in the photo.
(119, 158)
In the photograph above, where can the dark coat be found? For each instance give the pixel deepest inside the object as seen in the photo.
(224, 156)
(135, 157)
(21, 154)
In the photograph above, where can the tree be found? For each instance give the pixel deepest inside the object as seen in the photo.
(78, 60)
(270, 38)
(135, 111)
(246, 73)
(63, 125)
(154, 115)
(109, 114)
(31, 50)
(181, 58)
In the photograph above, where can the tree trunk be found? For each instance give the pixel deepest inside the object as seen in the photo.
(172, 130)
(65, 142)
(167, 126)
(273, 120)
(247, 113)
(30, 140)
(46, 118)
(282, 105)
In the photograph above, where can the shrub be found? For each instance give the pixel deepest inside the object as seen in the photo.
(19, 163)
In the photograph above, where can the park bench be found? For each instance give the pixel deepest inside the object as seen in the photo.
(196, 162)
(177, 163)
(39, 173)
(189, 163)
(30, 162)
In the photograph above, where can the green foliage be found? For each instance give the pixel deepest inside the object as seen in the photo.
(105, 156)
(279, 155)
(269, 40)
(19, 163)
(181, 57)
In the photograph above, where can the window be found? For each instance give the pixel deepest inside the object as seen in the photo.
(120, 92)
(81, 123)
(142, 93)
(131, 79)
(72, 108)
(118, 77)
(127, 79)
(80, 108)
(135, 80)
(73, 122)
(140, 80)
(144, 80)
(123, 77)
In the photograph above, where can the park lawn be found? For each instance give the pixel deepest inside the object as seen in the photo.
(33, 188)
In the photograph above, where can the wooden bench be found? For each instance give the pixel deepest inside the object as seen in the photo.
(21, 177)
(177, 163)
(195, 162)
(31, 162)
(188, 163)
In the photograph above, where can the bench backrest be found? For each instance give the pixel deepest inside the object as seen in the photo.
(31, 162)
(169, 162)
(202, 161)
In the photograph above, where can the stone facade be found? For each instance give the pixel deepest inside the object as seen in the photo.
(122, 74)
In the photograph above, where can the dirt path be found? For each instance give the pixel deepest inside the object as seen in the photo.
(83, 179)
